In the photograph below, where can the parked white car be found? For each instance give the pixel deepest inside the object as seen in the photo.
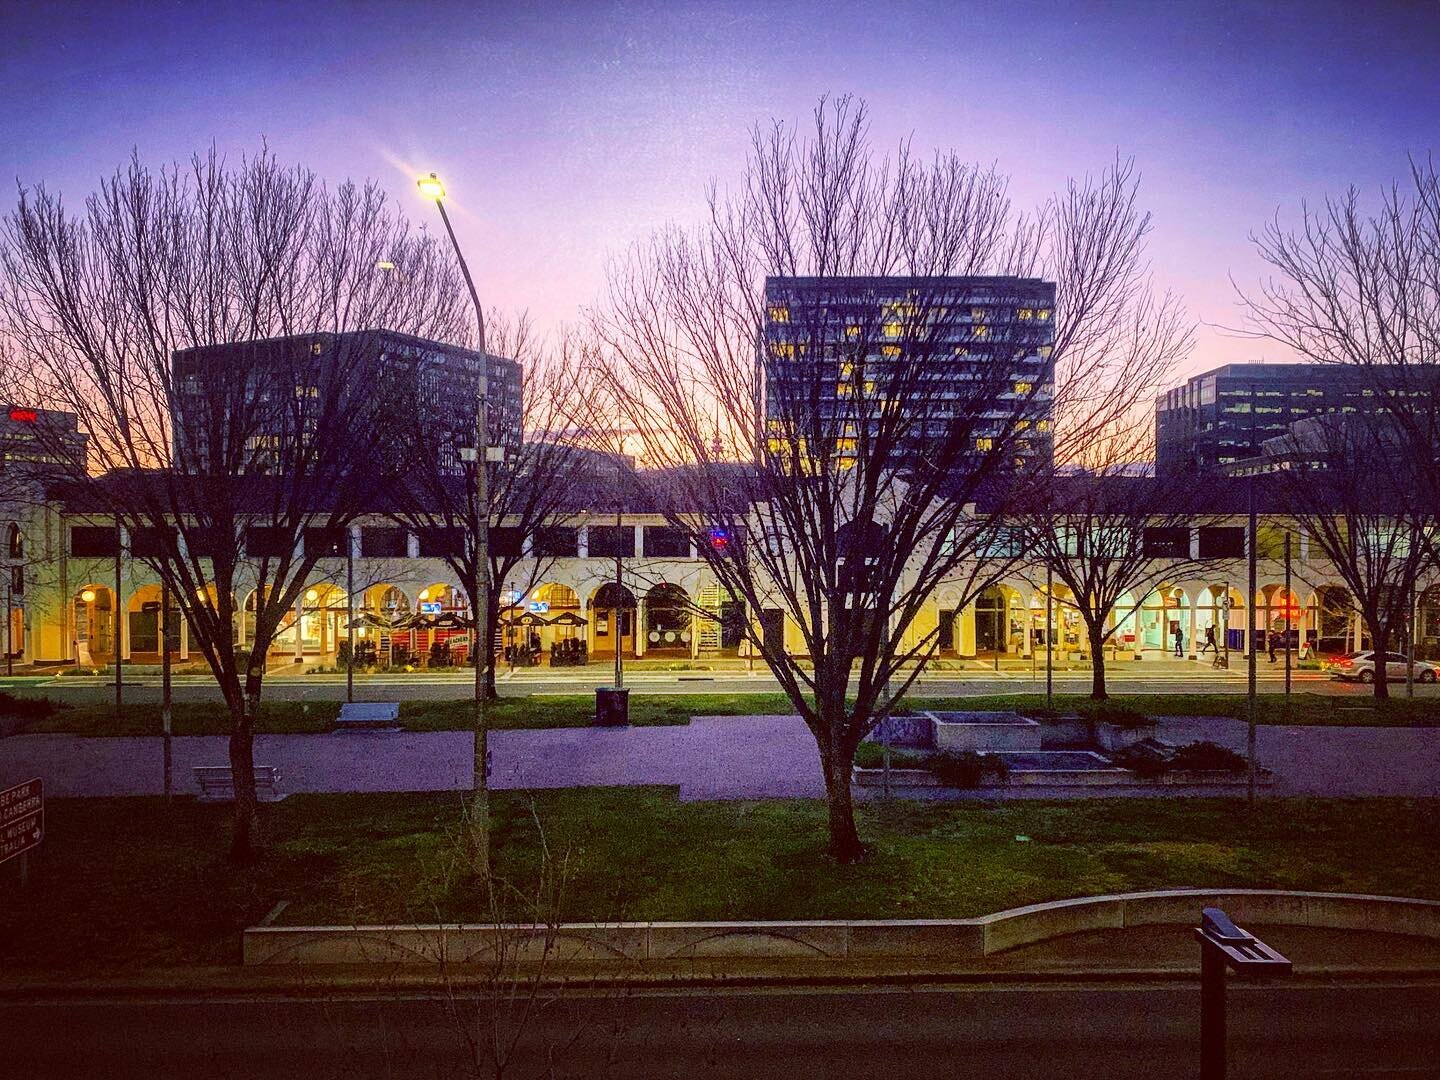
(1360, 666)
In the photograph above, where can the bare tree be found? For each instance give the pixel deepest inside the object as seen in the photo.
(216, 329)
(1110, 537)
(1350, 484)
(528, 490)
(830, 477)
(1360, 288)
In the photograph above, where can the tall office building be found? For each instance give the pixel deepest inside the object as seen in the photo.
(36, 442)
(842, 357)
(1225, 416)
(240, 406)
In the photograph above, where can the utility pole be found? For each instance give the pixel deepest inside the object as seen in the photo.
(350, 614)
(166, 718)
(619, 682)
(1250, 651)
(431, 188)
(1050, 638)
(1288, 597)
(1410, 642)
(119, 614)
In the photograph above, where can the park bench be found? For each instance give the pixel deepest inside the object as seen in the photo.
(363, 715)
(217, 783)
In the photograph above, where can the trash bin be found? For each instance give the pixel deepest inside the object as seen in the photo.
(612, 706)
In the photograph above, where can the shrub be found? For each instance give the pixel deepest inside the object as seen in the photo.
(1208, 756)
(1144, 761)
(1105, 712)
(871, 755)
(967, 768)
(27, 708)
(1149, 762)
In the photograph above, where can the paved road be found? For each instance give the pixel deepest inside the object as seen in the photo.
(730, 757)
(1115, 1032)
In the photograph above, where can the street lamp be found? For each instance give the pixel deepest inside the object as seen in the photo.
(431, 187)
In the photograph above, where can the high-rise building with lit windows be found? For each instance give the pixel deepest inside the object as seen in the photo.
(952, 357)
(1225, 416)
(239, 406)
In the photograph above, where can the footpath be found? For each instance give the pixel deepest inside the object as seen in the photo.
(726, 757)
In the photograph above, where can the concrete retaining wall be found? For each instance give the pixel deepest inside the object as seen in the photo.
(1006, 732)
(1098, 777)
(947, 939)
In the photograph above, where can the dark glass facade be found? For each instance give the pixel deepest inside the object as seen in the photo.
(1223, 416)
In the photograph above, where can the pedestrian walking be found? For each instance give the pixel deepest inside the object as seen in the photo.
(1179, 641)
(1274, 639)
(1209, 643)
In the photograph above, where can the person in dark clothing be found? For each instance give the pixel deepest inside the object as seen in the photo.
(1274, 641)
(1209, 643)
(1179, 641)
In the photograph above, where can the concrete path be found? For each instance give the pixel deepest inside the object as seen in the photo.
(730, 757)
(716, 757)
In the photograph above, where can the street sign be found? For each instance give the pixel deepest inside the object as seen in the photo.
(22, 818)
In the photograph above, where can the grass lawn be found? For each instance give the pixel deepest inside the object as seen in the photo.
(575, 710)
(129, 882)
(314, 717)
(1326, 709)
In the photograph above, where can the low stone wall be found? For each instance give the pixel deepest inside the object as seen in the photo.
(947, 939)
(912, 731)
(1113, 776)
(1006, 731)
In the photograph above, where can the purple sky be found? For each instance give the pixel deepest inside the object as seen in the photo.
(564, 131)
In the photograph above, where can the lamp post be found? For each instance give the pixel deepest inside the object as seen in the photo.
(431, 187)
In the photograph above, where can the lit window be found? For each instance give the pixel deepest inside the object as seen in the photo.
(847, 370)
(852, 331)
(1044, 351)
(844, 389)
(783, 349)
(780, 314)
(869, 387)
(1025, 314)
(1023, 388)
(984, 443)
(1042, 425)
(845, 446)
(981, 331)
(1022, 425)
(893, 329)
(890, 350)
(1043, 314)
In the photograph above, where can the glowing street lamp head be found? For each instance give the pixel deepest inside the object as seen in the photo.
(431, 187)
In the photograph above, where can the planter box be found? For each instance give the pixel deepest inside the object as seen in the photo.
(1064, 733)
(913, 778)
(1113, 737)
(985, 731)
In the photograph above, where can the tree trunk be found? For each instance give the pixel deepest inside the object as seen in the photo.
(845, 846)
(1380, 643)
(246, 838)
(1097, 665)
